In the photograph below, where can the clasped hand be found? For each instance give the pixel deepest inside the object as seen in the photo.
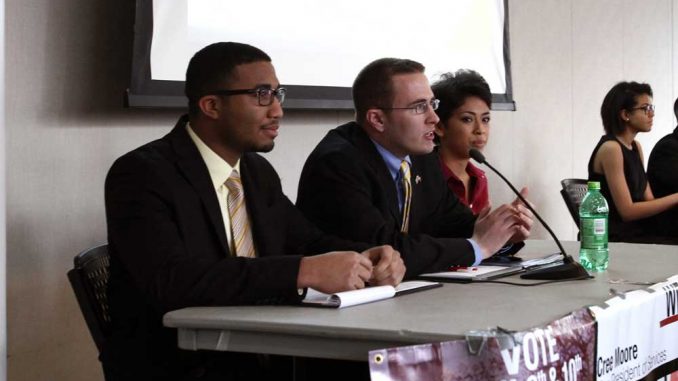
(348, 270)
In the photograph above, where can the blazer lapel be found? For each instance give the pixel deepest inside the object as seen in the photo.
(192, 166)
(416, 177)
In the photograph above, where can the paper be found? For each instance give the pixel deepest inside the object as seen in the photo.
(473, 273)
(551, 259)
(365, 295)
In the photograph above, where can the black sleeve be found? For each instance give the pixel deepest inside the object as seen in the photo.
(662, 167)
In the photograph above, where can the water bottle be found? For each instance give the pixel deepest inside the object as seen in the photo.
(593, 227)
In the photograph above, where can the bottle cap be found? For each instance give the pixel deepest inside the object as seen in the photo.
(593, 185)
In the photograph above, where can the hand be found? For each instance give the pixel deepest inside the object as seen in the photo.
(334, 272)
(526, 218)
(494, 228)
(388, 269)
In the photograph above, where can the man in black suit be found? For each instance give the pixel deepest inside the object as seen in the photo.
(354, 183)
(181, 234)
(662, 172)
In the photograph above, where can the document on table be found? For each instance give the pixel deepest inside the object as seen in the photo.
(471, 273)
(365, 295)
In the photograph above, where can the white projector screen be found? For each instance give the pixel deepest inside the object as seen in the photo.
(319, 47)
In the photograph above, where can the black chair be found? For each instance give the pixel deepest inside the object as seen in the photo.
(89, 278)
(573, 192)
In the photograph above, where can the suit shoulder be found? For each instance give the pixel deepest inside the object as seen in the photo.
(340, 145)
(335, 142)
(257, 162)
(146, 160)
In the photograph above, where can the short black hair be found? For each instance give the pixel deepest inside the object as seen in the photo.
(621, 96)
(373, 87)
(452, 89)
(211, 68)
(675, 108)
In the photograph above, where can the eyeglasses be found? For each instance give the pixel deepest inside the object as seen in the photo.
(647, 108)
(418, 108)
(265, 95)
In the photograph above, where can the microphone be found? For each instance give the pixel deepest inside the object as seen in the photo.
(569, 269)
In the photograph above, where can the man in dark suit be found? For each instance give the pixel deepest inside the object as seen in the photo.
(662, 172)
(374, 180)
(197, 219)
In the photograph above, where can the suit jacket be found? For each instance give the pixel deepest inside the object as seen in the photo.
(662, 167)
(169, 250)
(662, 172)
(347, 190)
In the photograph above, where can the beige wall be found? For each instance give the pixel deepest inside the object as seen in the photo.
(67, 66)
(3, 230)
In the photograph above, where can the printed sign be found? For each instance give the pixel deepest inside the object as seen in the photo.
(638, 333)
(562, 350)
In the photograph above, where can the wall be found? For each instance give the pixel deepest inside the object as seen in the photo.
(3, 236)
(67, 67)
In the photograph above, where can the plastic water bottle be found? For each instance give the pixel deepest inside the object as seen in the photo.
(593, 254)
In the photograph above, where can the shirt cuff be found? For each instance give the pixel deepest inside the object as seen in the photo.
(476, 251)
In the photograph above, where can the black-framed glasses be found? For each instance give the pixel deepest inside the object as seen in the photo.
(418, 108)
(265, 95)
(647, 108)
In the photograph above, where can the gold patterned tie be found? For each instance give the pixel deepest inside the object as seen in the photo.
(240, 225)
(407, 197)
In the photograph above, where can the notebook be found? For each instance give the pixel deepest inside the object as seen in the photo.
(365, 295)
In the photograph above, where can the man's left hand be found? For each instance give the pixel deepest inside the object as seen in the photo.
(388, 268)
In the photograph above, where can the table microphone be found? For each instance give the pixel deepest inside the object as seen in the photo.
(569, 269)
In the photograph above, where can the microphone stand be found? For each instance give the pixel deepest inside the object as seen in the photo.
(569, 269)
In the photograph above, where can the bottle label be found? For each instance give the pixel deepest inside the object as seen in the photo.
(599, 226)
(594, 233)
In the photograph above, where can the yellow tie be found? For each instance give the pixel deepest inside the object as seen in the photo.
(407, 197)
(240, 225)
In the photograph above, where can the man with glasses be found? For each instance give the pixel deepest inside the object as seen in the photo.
(197, 218)
(374, 180)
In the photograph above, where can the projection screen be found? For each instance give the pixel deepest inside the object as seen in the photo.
(318, 47)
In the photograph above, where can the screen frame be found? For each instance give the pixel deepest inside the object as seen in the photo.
(144, 92)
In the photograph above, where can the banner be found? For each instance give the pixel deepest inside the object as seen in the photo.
(562, 350)
(638, 333)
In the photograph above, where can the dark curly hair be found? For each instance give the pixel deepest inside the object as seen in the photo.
(453, 88)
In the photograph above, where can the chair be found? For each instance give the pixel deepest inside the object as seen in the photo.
(89, 279)
(573, 192)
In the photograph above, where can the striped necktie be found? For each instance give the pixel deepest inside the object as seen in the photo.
(240, 224)
(407, 196)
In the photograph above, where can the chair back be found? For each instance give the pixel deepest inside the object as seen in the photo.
(573, 192)
(89, 279)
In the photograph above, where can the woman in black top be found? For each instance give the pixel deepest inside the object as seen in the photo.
(617, 163)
